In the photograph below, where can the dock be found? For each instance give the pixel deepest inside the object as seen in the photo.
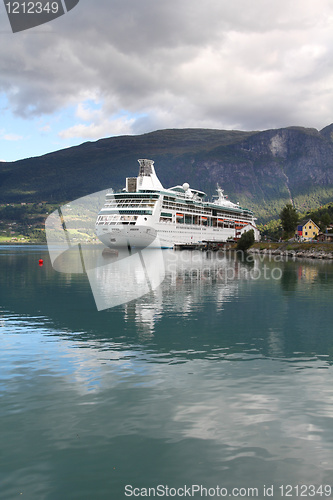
(205, 246)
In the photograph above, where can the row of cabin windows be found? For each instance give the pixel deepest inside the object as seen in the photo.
(129, 212)
(200, 221)
(130, 203)
(122, 196)
(199, 210)
(176, 206)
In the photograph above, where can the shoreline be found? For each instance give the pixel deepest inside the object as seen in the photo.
(296, 250)
(321, 251)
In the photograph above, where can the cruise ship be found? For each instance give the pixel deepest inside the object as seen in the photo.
(147, 214)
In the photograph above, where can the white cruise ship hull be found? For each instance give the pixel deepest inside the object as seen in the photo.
(165, 237)
(128, 236)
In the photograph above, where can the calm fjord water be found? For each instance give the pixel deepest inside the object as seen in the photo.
(211, 379)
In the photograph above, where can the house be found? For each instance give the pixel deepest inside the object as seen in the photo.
(307, 230)
(243, 228)
(325, 237)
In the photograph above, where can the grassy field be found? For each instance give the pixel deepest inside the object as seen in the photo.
(287, 245)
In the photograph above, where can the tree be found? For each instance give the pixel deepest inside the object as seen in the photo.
(246, 240)
(289, 218)
(12, 213)
(325, 221)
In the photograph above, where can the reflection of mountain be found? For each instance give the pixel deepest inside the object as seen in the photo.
(207, 304)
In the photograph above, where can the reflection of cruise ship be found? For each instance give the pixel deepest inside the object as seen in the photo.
(145, 212)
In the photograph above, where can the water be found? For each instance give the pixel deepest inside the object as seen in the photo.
(215, 378)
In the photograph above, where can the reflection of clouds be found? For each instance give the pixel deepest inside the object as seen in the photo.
(83, 366)
(270, 415)
(229, 408)
(218, 409)
(246, 406)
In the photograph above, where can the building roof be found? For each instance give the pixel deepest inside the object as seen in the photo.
(304, 221)
(326, 235)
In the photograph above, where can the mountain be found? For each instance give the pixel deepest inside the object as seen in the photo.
(262, 170)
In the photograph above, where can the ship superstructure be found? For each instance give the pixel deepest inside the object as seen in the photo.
(177, 215)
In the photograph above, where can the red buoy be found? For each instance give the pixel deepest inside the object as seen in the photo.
(41, 262)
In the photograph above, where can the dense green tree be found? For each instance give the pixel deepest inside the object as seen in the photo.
(246, 240)
(325, 221)
(289, 218)
(315, 218)
(14, 213)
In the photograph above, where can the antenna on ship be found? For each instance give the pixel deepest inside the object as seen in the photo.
(220, 192)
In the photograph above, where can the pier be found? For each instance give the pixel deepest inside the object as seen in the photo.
(205, 245)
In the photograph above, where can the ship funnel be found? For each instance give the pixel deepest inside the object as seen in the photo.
(147, 178)
(146, 167)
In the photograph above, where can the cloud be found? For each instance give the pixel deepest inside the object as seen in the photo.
(45, 128)
(11, 137)
(103, 128)
(211, 64)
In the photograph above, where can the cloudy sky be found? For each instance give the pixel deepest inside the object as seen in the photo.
(114, 67)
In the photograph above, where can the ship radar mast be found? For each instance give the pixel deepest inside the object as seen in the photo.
(220, 192)
(222, 200)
